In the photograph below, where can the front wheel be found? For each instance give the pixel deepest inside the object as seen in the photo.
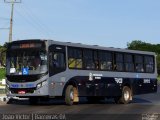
(126, 96)
(71, 95)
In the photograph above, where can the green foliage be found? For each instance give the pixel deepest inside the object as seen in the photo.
(2, 73)
(2, 53)
(140, 45)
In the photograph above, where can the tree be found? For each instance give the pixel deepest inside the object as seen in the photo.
(2, 56)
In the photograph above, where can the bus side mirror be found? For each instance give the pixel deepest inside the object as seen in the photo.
(3, 58)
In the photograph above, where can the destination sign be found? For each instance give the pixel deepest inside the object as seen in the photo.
(26, 45)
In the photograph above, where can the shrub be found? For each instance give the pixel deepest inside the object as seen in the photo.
(2, 73)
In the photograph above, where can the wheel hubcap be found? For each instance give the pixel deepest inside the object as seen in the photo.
(126, 95)
(71, 95)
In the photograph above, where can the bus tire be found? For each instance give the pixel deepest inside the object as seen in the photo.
(33, 100)
(70, 95)
(10, 101)
(126, 96)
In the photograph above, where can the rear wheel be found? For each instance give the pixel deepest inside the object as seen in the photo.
(71, 95)
(126, 96)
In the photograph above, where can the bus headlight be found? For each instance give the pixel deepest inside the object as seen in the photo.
(39, 85)
(44, 83)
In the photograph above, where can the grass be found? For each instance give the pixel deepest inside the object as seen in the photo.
(2, 73)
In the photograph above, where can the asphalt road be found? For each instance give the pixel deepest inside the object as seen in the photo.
(143, 107)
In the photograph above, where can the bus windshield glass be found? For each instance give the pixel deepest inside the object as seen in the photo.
(26, 62)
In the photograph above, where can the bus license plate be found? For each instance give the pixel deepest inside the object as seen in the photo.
(22, 92)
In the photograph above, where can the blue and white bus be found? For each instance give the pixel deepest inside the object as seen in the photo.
(38, 69)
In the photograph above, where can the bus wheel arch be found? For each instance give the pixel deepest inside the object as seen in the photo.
(126, 96)
(70, 93)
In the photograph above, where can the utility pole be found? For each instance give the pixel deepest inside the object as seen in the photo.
(11, 19)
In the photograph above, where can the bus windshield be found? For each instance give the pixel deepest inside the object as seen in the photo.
(32, 61)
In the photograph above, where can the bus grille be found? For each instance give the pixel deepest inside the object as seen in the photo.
(27, 90)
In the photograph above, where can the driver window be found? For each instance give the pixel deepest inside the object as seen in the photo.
(58, 60)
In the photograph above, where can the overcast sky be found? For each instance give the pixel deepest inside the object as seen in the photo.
(110, 23)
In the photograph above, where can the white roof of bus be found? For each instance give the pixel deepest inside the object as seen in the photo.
(100, 47)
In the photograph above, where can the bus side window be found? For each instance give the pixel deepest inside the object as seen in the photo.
(139, 63)
(72, 63)
(79, 63)
(149, 64)
(129, 63)
(74, 58)
(88, 59)
(55, 61)
(119, 63)
(58, 60)
(106, 60)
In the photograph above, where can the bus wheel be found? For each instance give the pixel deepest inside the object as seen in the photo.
(71, 95)
(10, 101)
(126, 96)
(33, 100)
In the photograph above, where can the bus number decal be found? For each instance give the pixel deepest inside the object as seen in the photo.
(119, 80)
(146, 81)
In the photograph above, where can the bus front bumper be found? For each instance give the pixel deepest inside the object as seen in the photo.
(27, 92)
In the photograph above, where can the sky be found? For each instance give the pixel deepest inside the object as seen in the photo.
(110, 23)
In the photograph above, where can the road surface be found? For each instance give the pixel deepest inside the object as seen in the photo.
(143, 107)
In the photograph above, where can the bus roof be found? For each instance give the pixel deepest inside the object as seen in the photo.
(101, 47)
(80, 45)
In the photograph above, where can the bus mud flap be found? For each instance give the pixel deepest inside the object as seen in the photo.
(76, 98)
